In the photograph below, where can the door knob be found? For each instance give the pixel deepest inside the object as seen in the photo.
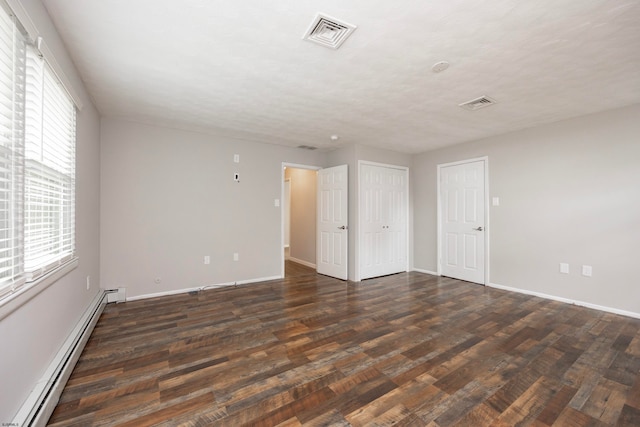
(478, 229)
(344, 227)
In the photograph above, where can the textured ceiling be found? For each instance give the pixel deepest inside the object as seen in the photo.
(241, 69)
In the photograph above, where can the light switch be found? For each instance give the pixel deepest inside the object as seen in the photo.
(564, 268)
(587, 270)
(276, 203)
(495, 201)
(236, 158)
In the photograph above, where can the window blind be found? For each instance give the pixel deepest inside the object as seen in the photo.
(12, 119)
(49, 195)
(37, 163)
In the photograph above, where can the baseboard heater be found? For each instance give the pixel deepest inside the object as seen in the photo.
(39, 406)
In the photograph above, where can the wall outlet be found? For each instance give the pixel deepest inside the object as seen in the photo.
(207, 259)
(236, 257)
(564, 268)
(88, 282)
(587, 270)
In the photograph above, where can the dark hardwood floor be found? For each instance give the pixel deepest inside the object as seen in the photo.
(408, 349)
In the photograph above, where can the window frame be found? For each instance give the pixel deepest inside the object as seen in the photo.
(21, 286)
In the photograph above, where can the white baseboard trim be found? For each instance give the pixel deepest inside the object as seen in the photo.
(567, 300)
(202, 288)
(305, 263)
(420, 270)
(39, 406)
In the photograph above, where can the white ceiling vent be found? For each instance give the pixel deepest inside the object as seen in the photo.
(307, 147)
(478, 103)
(328, 31)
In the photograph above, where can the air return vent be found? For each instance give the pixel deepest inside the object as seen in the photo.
(478, 103)
(328, 32)
(307, 147)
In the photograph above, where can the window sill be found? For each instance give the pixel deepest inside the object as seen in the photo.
(12, 302)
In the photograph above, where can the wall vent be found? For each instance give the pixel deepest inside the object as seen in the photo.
(328, 32)
(478, 103)
(307, 147)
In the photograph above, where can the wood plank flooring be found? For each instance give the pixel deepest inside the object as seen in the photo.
(408, 349)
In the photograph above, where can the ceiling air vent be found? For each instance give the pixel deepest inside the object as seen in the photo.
(478, 103)
(328, 32)
(307, 147)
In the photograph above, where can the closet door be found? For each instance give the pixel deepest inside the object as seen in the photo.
(383, 220)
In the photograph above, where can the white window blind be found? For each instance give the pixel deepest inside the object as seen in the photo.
(49, 196)
(12, 112)
(37, 163)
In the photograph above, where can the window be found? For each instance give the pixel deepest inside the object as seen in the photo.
(49, 171)
(37, 163)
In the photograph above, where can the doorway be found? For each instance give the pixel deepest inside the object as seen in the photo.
(299, 196)
(463, 220)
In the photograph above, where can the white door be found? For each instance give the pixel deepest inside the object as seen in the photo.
(332, 217)
(383, 220)
(462, 221)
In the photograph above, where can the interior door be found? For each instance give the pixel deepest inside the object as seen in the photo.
(462, 216)
(383, 220)
(332, 239)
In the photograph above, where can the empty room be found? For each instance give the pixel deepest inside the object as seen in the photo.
(322, 213)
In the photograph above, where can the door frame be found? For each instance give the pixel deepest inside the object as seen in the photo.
(293, 166)
(487, 253)
(359, 212)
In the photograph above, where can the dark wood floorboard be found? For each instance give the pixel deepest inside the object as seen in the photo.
(409, 349)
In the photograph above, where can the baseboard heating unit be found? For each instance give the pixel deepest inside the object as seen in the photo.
(39, 406)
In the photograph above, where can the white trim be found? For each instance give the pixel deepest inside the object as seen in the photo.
(357, 225)
(567, 300)
(420, 270)
(487, 253)
(12, 302)
(299, 261)
(39, 406)
(282, 167)
(202, 288)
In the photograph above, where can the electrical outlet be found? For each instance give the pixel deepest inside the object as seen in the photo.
(236, 257)
(587, 270)
(564, 268)
(88, 282)
(207, 259)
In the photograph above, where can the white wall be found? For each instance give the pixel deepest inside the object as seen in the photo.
(303, 214)
(32, 335)
(168, 199)
(569, 192)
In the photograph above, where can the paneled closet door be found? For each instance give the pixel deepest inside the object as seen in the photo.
(383, 220)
